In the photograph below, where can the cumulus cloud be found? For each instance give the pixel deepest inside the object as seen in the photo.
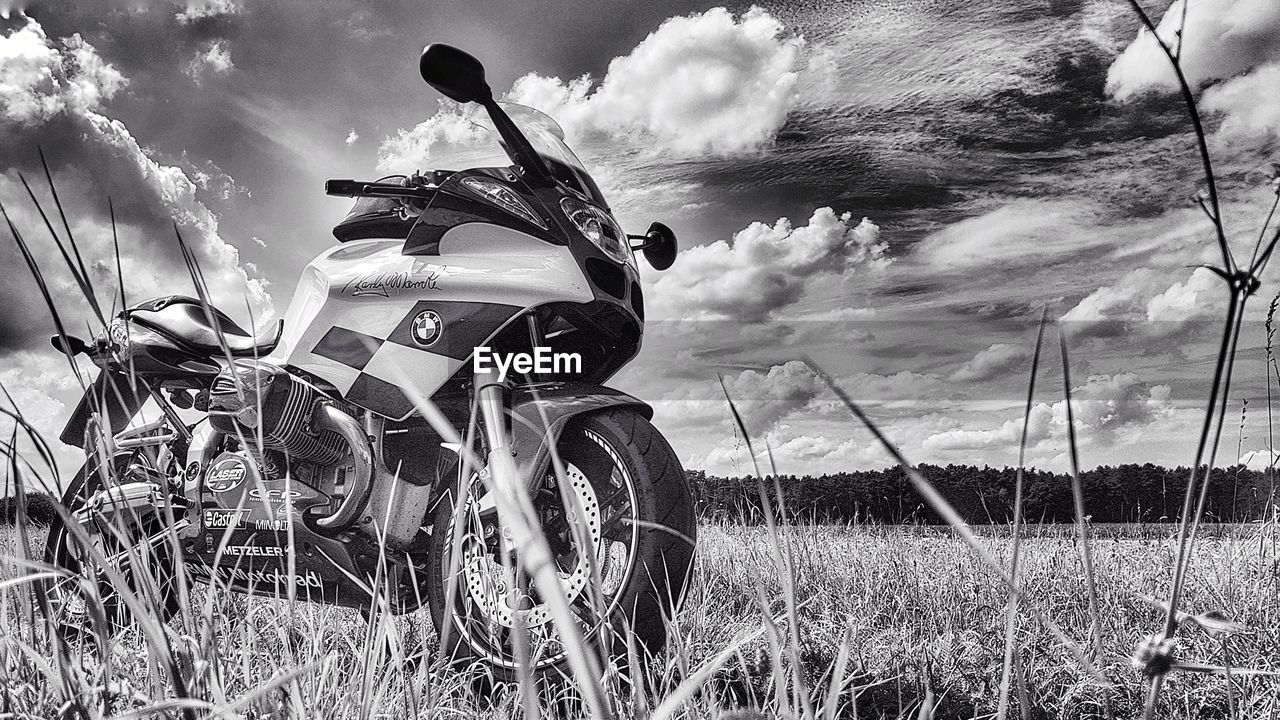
(449, 133)
(1105, 407)
(212, 179)
(762, 397)
(212, 58)
(195, 10)
(709, 83)
(352, 137)
(1250, 103)
(228, 282)
(1144, 295)
(991, 362)
(40, 79)
(773, 402)
(1236, 42)
(43, 393)
(1223, 38)
(1007, 434)
(764, 268)
(795, 453)
(97, 156)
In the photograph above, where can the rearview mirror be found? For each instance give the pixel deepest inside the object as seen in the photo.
(454, 73)
(659, 246)
(71, 344)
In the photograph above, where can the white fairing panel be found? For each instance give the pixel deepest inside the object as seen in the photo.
(373, 322)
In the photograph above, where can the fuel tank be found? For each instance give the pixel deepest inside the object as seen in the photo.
(370, 320)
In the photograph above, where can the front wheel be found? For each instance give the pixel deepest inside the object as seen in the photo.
(628, 505)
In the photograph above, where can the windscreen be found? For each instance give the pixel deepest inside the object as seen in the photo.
(472, 141)
(547, 139)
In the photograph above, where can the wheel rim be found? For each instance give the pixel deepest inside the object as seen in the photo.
(490, 599)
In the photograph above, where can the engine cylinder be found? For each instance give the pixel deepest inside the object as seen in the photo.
(254, 397)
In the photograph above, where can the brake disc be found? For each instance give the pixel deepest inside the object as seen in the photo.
(493, 588)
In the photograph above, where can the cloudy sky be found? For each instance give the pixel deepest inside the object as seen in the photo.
(894, 188)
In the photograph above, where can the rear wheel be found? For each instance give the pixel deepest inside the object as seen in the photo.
(622, 546)
(137, 550)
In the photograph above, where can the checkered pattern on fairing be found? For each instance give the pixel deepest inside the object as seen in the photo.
(374, 362)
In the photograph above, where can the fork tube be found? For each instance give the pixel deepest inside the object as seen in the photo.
(536, 338)
(500, 467)
(492, 396)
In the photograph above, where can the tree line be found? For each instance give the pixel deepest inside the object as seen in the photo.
(1112, 494)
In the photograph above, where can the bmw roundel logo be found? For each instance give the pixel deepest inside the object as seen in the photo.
(427, 327)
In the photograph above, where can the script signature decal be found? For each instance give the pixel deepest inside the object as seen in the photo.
(384, 284)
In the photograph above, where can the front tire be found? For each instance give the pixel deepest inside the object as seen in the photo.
(638, 517)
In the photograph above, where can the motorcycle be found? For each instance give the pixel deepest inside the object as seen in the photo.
(322, 462)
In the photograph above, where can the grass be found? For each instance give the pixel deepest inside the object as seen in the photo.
(804, 621)
(921, 614)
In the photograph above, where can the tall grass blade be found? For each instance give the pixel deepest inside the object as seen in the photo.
(76, 269)
(948, 513)
(781, 558)
(115, 245)
(1011, 608)
(1082, 531)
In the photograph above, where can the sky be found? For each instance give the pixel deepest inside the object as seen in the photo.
(895, 189)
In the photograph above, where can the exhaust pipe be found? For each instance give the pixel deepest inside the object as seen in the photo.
(328, 417)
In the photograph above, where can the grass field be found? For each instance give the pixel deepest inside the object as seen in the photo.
(917, 613)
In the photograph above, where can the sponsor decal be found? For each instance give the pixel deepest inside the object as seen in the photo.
(276, 525)
(385, 284)
(226, 474)
(259, 577)
(427, 328)
(254, 551)
(542, 361)
(274, 496)
(225, 518)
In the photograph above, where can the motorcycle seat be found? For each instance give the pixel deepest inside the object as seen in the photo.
(183, 321)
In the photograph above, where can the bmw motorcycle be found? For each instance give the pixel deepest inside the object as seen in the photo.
(317, 460)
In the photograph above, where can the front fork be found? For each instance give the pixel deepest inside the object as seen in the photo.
(503, 482)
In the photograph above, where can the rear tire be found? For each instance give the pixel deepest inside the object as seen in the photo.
(69, 602)
(650, 511)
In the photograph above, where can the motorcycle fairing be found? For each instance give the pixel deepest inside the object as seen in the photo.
(350, 319)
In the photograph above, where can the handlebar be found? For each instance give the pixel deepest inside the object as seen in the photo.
(360, 188)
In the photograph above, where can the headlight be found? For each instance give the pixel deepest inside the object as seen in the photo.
(503, 197)
(118, 337)
(600, 228)
(123, 338)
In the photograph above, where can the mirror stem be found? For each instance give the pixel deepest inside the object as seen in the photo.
(520, 146)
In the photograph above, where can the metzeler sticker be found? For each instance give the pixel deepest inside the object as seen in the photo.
(254, 550)
(225, 475)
